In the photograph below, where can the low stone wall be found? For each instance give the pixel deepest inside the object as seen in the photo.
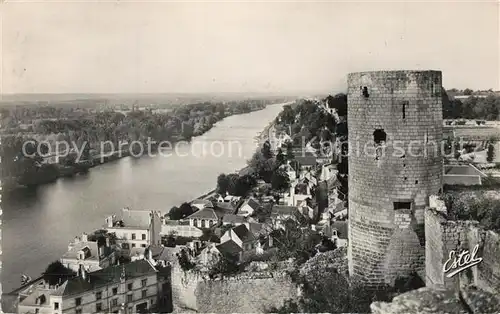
(444, 236)
(244, 295)
(248, 292)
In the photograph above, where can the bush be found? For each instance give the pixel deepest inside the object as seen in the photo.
(462, 206)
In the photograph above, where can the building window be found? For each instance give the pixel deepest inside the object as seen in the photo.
(144, 236)
(78, 301)
(402, 205)
(144, 293)
(143, 245)
(115, 291)
(78, 311)
(130, 310)
(98, 295)
(37, 311)
(98, 307)
(56, 305)
(144, 282)
(133, 236)
(125, 246)
(129, 286)
(133, 245)
(129, 298)
(114, 302)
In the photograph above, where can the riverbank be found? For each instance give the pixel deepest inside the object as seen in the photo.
(51, 172)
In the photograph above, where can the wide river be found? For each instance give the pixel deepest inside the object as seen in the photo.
(38, 224)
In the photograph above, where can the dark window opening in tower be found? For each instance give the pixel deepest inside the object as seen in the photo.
(379, 136)
(365, 92)
(404, 109)
(402, 205)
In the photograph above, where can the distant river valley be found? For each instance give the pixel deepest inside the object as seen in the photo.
(39, 223)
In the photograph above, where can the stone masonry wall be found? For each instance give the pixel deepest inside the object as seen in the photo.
(406, 107)
(443, 236)
(244, 295)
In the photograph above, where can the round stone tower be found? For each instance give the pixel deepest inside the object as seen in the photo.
(395, 164)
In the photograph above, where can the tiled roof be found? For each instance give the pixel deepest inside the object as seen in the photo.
(136, 218)
(462, 170)
(341, 227)
(205, 213)
(243, 233)
(233, 219)
(252, 203)
(226, 207)
(457, 179)
(229, 248)
(207, 203)
(90, 245)
(107, 276)
(278, 210)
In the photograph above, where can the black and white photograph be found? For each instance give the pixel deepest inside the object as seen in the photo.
(249, 156)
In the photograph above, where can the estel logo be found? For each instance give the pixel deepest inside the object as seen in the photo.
(459, 262)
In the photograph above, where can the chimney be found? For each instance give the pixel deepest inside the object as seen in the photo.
(109, 220)
(85, 237)
(83, 272)
(150, 255)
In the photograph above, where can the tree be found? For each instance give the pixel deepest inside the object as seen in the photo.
(263, 166)
(222, 184)
(232, 179)
(186, 210)
(280, 180)
(280, 157)
(244, 184)
(224, 265)
(490, 153)
(57, 273)
(266, 150)
(468, 91)
(296, 240)
(184, 260)
(181, 212)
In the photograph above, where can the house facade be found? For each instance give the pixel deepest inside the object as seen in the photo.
(82, 252)
(135, 229)
(128, 288)
(248, 207)
(204, 218)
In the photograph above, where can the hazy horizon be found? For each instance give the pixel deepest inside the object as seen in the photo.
(273, 48)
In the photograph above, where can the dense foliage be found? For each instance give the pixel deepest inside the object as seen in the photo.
(57, 273)
(181, 212)
(473, 107)
(87, 130)
(468, 206)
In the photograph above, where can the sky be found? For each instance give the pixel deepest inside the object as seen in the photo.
(279, 47)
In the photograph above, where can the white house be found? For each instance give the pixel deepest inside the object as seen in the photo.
(82, 252)
(204, 218)
(248, 207)
(135, 228)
